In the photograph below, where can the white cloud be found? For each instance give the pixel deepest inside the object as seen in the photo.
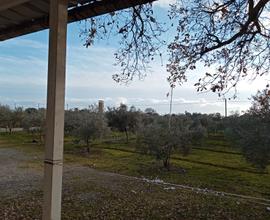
(121, 100)
(164, 3)
(89, 78)
(26, 43)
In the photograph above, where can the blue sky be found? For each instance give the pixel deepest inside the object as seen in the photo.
(23, 77)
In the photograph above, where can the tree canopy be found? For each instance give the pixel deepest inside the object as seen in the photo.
(251, 130)
(231, 36)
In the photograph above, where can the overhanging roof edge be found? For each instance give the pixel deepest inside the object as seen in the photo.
(74, 14)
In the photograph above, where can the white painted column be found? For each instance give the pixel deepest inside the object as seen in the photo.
(53, 163)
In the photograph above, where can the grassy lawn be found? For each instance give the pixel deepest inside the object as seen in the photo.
(206, 167)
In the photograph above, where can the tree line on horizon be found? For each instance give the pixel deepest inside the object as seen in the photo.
(155, 134)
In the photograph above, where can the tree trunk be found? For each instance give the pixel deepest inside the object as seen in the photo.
(166, 163)
(88, 146)
(126, 132)
(40, 136)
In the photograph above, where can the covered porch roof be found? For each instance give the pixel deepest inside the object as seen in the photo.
(20, 17)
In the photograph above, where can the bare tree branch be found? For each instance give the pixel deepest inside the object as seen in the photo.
(231, 35)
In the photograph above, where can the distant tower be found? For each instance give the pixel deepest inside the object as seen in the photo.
(101, 106)
(226, 108)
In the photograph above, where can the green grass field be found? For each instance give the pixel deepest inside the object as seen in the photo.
(215, 165)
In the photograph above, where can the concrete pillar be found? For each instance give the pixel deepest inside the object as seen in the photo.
(55, 111)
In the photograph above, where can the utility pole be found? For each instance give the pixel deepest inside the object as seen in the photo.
(226, 108)
(170, 115)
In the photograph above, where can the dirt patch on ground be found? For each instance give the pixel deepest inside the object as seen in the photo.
(14, 180)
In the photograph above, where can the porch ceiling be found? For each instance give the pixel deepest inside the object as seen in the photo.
(20, 17)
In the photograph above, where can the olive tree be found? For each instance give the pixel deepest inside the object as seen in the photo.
(34, 122)
(160, 141)
(5, 116)
(251, 131)
(251, 134)
(261, 104)
(92, 126)
(72, 120)
(10, 118)
(123, 119)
